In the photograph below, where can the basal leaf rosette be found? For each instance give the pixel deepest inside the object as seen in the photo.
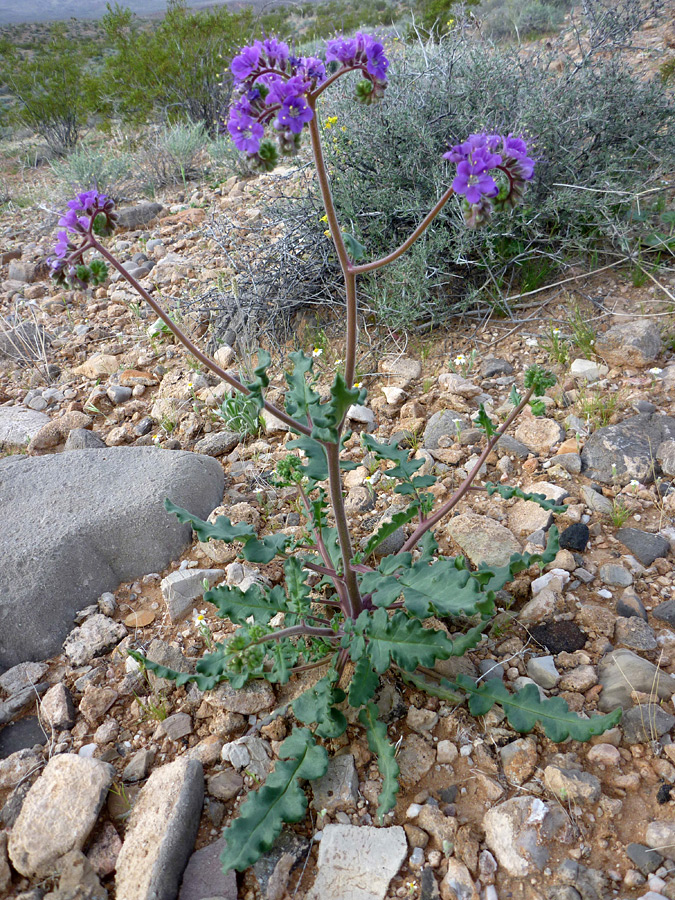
(275, 91)
(492, 173)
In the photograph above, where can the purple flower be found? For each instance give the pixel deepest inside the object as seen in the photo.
(62, 244)
(341, 50)
(281, 90)
(245, 132)
(516, 159)
(294, 114)
(473, 180)
(71, 221)
(277, 51)
(312, 69)
(377, 61)
(244, 64)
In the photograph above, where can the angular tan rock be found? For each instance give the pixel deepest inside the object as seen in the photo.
(161, 832)
(56, 431)
(98, 366)
(483, 539)
(59, 812)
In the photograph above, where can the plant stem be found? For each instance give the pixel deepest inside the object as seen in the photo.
(296, 630)
(191, 346)
(421, 228)
(465, 486)
(354, 604)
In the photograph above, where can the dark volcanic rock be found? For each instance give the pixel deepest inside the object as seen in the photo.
(575, 537)
(644, 546)
(559, 636)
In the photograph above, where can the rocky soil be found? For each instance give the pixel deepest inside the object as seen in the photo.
(109, 779)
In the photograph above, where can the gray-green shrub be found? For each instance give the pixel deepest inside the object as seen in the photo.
(600, 135)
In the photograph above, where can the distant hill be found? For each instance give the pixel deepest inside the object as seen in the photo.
(14, 12)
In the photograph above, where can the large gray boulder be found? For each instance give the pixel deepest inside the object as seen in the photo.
(77, 524)
(628, 450)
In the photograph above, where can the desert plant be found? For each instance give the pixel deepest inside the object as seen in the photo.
(54, 88)
(240, 414)
(368, 619)
(173, 71)
(95, 168)
(171, 155)
(589, 123)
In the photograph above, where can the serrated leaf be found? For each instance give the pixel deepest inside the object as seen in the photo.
(364, 683)
(438, 587)
(376, 732)
(402, 639)
(279, 800)
(258, 601)
(327, 417)
(297, 588)
(301, 398)
(318, 705)
(316, 465)
(506, 492)
(261, 380)
(428, 547)
(387, 528)
(485, 423)
(525, 709)
(254, 550)
(284, 656)
(355, 249)
(443, 689)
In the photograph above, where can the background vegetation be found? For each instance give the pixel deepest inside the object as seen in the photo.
(132, 105)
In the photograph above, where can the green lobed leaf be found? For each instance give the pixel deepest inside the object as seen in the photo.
(297, 588)
(376, 732)
(485, 423)
(254, 550)
(318, 705)
(355, 249)
(316, 467)
(364, 683)
(440, 587)
(301, 398)
(443, 689)
(525, 709)
(402, 639)
(261, 380)
(284, 656)
(387, 528)
(258, 601)
(327, 417)
(279, 800)
(506, 492)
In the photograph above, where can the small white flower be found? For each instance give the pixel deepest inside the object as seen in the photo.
(190, 385)
(358, 384)
(156, 439)
(634, 483)
(555, 332)
(460, 359)
(655, 371)
(317, 351)
(199, 616)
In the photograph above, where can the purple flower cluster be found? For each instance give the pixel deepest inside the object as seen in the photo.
(82, 213)
(275, 88)
(478, 159)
